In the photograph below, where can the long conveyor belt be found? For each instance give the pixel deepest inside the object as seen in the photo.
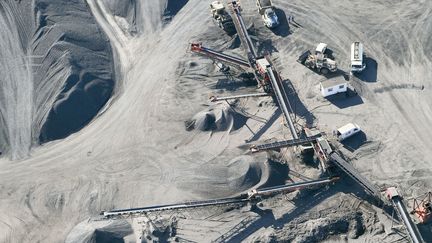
(242, 30)
(410, 226)
(178, 206)
(283, 144)
(219, 56)
(241, 199)
(292, 187)
(282, 100)
(352, 172)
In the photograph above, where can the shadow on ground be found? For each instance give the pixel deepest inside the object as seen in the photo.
(346, 99)
(370, 73)
(172, 8)
(283, 30)
(355, 142)
(297, 105)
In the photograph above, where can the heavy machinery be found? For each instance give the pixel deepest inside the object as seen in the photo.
(357, 57)
(222, 17)
(319, 60)
(252, 196)
(422, 208)
(394, 197)
(267, 12)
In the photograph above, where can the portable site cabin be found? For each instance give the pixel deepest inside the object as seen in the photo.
(347, 131)
(357, 62)
(331, 87)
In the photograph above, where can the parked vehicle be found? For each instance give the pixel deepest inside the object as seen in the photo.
(222, 17)
(357, 57)
(319, 60)
(267, 12)
(347, 131)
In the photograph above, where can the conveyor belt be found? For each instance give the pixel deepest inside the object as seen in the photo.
(219, 56)
(291, 187)
(282, 100)
(215, 98)
(242, 30)
(403, 213)
(352, 172)
(282, 144)
(196, 204)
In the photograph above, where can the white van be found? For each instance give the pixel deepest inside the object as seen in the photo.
(347, 131)
(357, 57)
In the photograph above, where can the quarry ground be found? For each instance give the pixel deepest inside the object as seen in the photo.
(137, 152)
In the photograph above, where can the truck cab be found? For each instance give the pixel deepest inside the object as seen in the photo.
(267, 12)
(357, 58)
(270, 18)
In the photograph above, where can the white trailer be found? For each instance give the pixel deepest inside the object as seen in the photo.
(357, 57)
(347, 131)
(331, 87)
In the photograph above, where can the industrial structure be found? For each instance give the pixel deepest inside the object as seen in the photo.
(331, 161)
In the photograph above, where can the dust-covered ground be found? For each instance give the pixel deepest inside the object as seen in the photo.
(159, 140)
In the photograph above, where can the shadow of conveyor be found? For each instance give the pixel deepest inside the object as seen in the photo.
(298, 107)
(283, 30)
(265, 126)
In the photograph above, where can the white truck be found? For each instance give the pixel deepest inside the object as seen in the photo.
(267, 12)
(319, 60)
(222, 17)
(347, 131)
(357, 57)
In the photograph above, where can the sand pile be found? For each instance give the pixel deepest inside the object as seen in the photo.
(68, 72)
(100, 232)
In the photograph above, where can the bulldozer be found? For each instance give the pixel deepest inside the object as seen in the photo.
(222, 17)
(319, 60)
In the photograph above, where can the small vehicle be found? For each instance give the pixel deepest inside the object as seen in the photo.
(267, 12)
(222, 17)
(357, 57)
(347, 131)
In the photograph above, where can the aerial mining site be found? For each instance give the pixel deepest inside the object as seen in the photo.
(215, 121)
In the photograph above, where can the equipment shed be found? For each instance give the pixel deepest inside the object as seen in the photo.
(331, 87)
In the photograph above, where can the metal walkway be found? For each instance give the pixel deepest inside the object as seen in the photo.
(352, 172)
(283, 144)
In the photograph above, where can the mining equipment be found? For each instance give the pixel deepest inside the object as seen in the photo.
(318, 60)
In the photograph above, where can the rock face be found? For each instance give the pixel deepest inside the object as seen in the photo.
(69, 71)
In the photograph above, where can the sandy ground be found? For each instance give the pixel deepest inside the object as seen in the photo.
(137, 151)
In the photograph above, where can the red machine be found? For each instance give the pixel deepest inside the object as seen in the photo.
(422, 208)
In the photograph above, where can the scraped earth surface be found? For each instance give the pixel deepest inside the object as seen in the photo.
(154, 138)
